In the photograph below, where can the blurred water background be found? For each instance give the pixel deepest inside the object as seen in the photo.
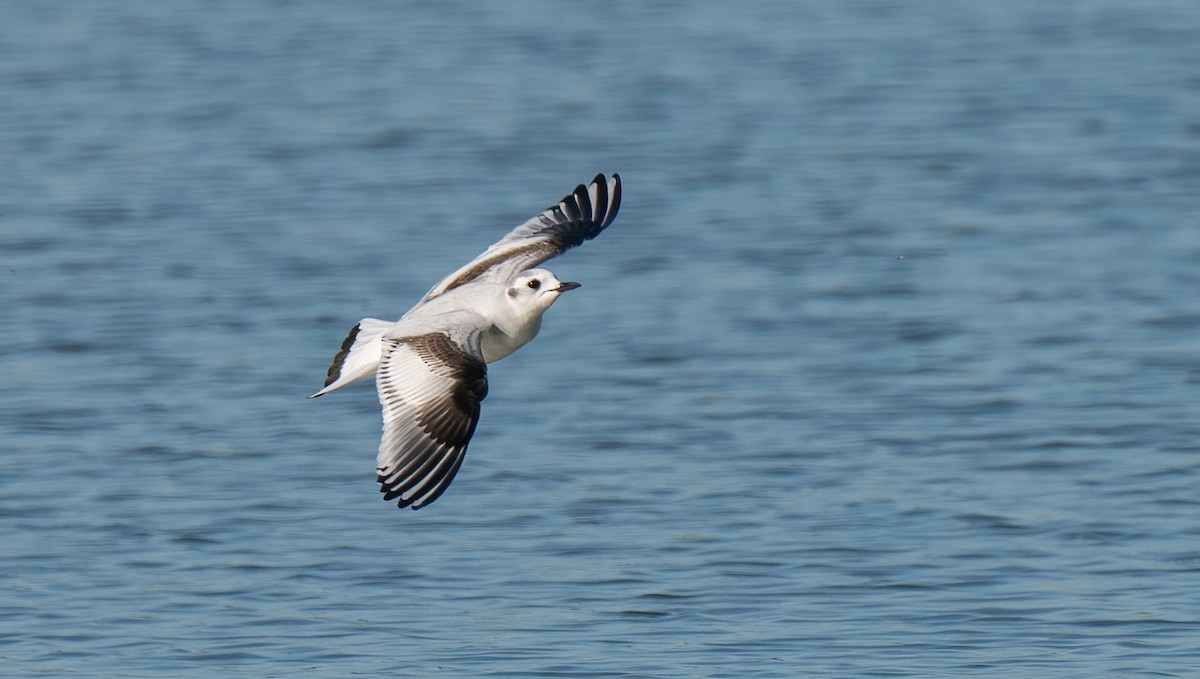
(888, 368)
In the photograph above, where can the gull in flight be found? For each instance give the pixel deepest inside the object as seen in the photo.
(431, 365)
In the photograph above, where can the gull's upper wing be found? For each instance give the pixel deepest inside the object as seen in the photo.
(430, 387)
(580, 216)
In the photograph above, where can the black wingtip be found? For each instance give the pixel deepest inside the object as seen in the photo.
(615, 200)
(584, 201)
(335, 368)
(571, 206)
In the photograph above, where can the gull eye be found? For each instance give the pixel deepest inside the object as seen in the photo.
(534, 284)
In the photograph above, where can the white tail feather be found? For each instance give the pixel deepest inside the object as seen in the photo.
(360, 354)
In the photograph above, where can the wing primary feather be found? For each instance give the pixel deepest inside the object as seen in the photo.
(585, 203)
(614, 201)
(417, 476)
(430, 479)
(600, 200)
(443, 483)
(569, 206)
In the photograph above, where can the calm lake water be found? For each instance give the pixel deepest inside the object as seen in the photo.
(889, 367)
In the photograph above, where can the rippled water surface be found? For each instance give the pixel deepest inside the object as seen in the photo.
(890, 365)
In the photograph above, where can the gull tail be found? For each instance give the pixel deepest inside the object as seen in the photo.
(359, 355)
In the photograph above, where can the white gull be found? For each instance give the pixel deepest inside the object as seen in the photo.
(430, 366)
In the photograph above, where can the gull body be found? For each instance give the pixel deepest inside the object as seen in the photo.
(430, 365)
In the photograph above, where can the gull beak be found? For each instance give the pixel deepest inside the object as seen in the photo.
(568, 285)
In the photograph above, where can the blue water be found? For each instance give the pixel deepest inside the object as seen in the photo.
(889, 367)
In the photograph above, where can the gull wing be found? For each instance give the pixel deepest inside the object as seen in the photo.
(430, 387)
(578, 217)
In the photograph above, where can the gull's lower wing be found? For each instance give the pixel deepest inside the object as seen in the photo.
(430, 387)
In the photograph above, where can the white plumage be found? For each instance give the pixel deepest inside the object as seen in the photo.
(430, 366)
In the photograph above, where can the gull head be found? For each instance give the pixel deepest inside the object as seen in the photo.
(518, 317)
(534, 290)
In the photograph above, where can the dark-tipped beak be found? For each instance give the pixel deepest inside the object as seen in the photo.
(567, 285)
